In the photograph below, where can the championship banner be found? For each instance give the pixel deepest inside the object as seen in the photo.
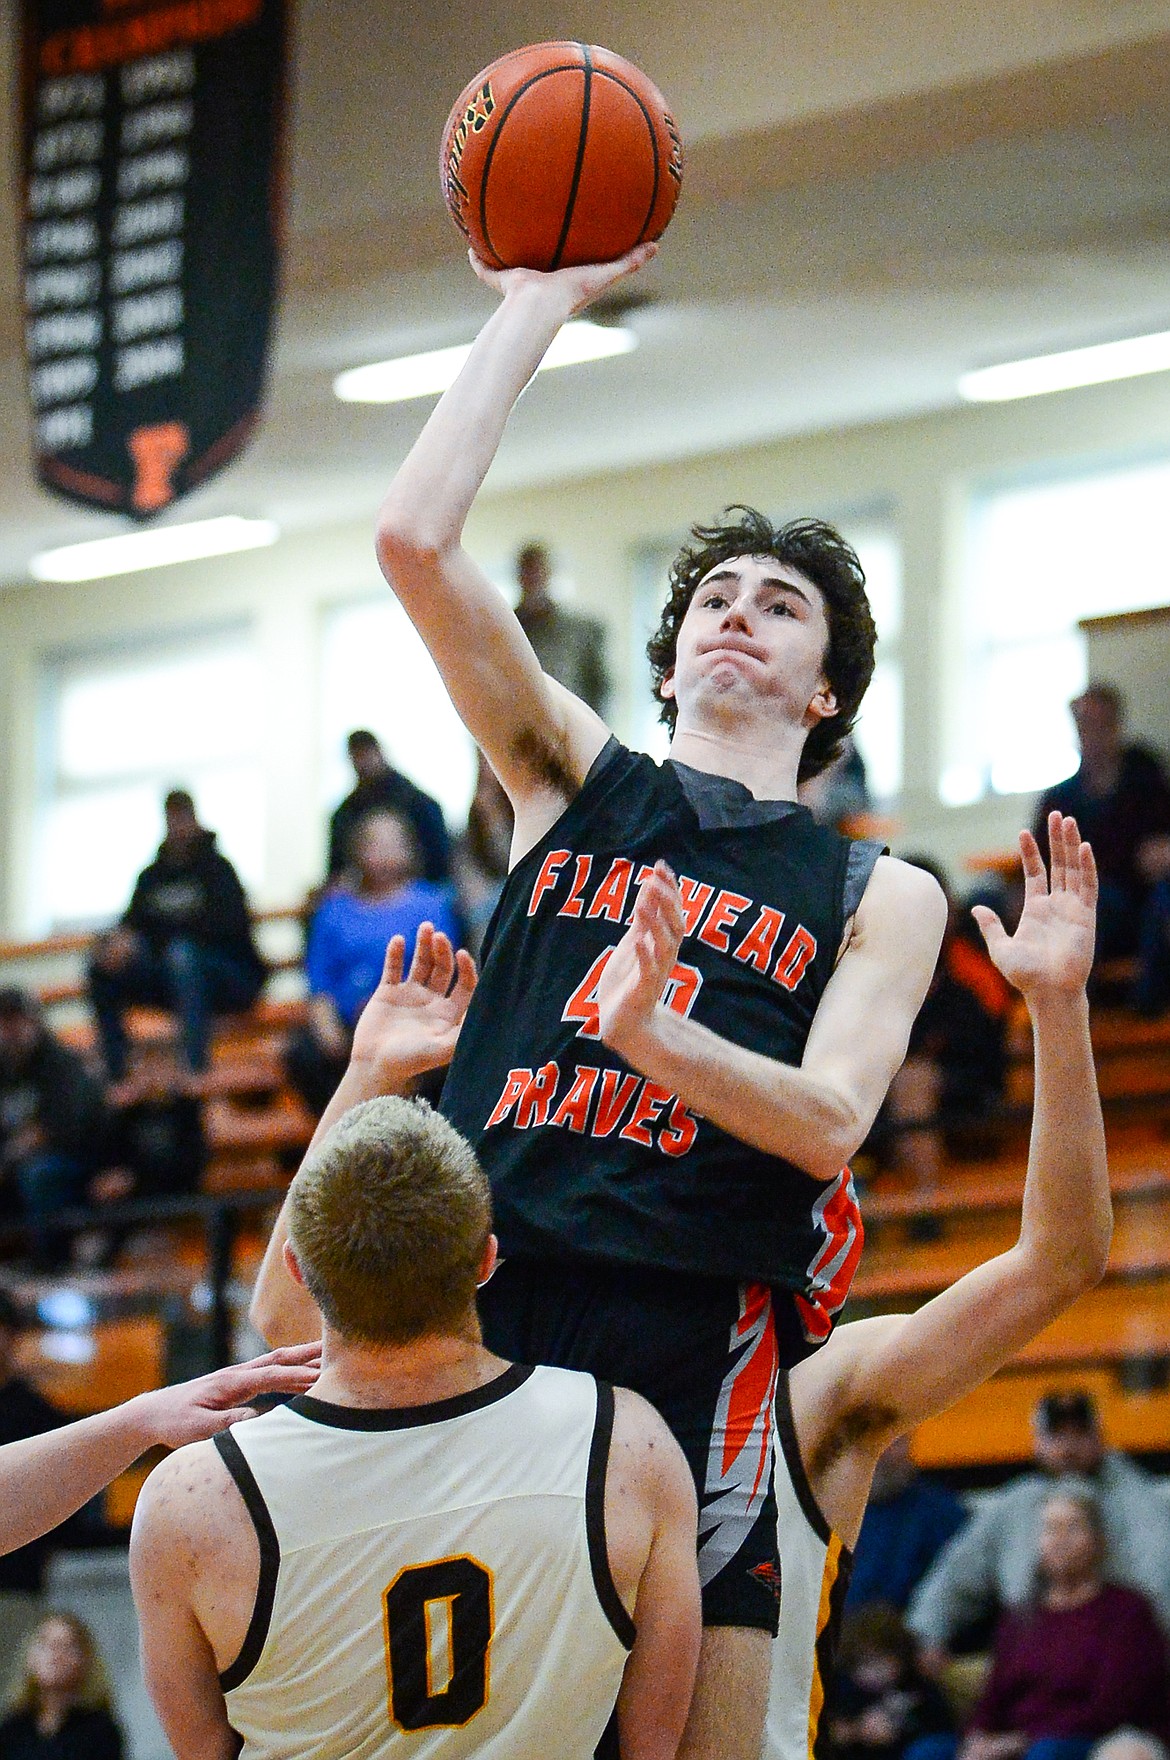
(152, 157)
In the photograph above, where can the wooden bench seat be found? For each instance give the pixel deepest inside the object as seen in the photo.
(1137, 1170)
(992, 1425)
(890, 1268)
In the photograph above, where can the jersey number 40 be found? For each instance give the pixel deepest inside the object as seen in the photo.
(682, 987)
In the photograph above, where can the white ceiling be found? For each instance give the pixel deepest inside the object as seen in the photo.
(877, 197)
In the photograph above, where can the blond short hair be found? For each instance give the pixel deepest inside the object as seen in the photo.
(389, 1219)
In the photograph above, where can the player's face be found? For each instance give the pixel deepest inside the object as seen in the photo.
(755, 633)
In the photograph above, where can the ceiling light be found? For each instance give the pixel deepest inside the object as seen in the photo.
(1072, 367)
(426, 375)
(156, 548)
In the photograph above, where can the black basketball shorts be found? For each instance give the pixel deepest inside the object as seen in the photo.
(707, 1353)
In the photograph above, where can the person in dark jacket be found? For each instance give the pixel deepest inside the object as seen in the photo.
(51, 1115)
(907, 1522)
(23, 1413)
(185, 942)
(880, 1703)
(380, 785)
(155, 1145)
(62, 1710)
(1120, 797)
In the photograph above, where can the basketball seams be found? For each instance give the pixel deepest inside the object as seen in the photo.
(582, 139)
(603, 73)
(532, 80)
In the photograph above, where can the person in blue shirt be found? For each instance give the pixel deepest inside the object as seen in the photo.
(383, 897)
(908, 1521)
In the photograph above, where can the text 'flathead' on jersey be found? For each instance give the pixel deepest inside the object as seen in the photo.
(712, 917)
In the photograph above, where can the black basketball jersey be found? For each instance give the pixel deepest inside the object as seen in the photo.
(588, 1158)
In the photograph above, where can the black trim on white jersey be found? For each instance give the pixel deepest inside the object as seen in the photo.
(319, 1411)
(611, 1602)
(257, 1634)
(786, 1429)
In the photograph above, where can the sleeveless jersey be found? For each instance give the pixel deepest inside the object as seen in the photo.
(587, 1158)
(814, 1578)
(434, 1581)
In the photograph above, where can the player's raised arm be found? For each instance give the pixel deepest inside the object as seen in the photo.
(878, 1378)
(540, 739)
(818, 1114)
(409, 1025)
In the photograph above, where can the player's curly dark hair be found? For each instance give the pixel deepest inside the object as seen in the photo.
(823, 557)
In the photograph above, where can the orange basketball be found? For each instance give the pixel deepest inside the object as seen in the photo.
(557, 154)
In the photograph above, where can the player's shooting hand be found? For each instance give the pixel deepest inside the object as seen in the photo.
(195, 1410)
(575, 288)
(638, 970)
(1052, 948)
(411, 1023)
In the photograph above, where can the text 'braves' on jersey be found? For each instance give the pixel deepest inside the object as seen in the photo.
(590, 1159)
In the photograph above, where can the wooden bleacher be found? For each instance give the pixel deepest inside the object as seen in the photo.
(1116, 1339)
(257, 1130)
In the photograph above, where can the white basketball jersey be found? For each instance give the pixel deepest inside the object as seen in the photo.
(814, 1578)
(434, 1581)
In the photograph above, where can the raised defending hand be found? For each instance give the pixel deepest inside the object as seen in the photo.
(410, 1024)
(639, 968)
(1052, 949)
(195, 1410)
(577, 287)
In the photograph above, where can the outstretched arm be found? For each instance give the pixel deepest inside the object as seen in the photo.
(876, 1379)
(47, 1478)
(410, 1024)
(539, 738)
(816, 1115)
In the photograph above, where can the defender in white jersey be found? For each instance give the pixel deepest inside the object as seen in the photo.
(877, 1379)
(438, 1554)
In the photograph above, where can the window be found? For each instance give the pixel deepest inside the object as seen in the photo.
(376, 673)
(1039, 557)
(119, 729)
(879, 725)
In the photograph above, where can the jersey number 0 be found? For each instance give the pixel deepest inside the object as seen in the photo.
(438, 1621)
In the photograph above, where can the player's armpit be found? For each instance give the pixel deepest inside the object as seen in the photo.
(659, 1678)
(177, 1661)
(861, 1028)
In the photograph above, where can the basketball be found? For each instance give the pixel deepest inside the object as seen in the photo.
(558, 154)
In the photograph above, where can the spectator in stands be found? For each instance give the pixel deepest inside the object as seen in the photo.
(185, 943)
(378, 784)
(23, 1413)
(956, 1063)
(839, 794)
(62, 1709)
(347, 946)
(50, 1117)
(880, 1702)
(482, 854)
(1120, 795)
(992, 1563)
(1082, 1658)
(155, 1145)
(569, 646)
(908, 1520)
